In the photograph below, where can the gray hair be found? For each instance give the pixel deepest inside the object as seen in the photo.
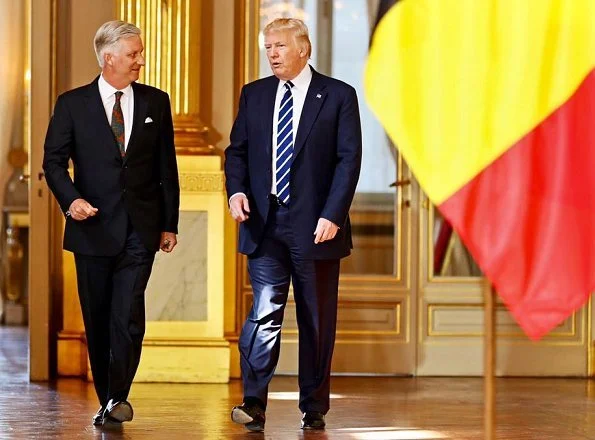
(296, 26)
(109, 34)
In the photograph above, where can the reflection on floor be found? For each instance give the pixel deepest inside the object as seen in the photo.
(362, 408)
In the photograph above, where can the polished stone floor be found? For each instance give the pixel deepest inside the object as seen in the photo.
(362, 408)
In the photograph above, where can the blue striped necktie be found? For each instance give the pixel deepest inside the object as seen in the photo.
(284, 144)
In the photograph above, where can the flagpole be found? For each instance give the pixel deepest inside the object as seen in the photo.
(489, 415)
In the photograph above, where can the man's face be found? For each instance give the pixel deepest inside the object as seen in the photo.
(126, 59)
(286, 58)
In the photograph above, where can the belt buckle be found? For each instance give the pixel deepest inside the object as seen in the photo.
(275, 200)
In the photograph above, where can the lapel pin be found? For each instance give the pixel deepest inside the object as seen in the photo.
(319, 95)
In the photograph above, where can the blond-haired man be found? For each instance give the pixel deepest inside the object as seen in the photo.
(120, 209)
(291, 171)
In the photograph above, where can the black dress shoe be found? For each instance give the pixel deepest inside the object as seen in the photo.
(251, 416)
(118, 412)
(313, 420)
(98, 417)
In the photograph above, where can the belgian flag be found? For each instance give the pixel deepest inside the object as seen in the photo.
(492, 105)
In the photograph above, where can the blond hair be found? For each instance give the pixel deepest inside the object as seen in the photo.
(109, 34)
(297, 27)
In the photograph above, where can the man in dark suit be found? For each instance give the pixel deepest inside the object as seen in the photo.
(291, 172)
(121, 208)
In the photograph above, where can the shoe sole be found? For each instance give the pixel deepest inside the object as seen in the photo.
(313, 428)
(254, 427)
(240, 417)
(120, 413)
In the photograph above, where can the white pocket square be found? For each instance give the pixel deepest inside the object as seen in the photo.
(148, 120)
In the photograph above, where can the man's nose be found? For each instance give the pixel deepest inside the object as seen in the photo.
(141, 60)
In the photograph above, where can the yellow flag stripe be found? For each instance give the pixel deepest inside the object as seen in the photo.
(458, 82)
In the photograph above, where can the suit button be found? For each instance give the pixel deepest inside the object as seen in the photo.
(124, 190)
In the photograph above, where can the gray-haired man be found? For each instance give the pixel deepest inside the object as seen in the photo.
(121, 208)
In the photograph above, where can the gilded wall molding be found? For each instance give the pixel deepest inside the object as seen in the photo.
(202, 182)
(177, 37)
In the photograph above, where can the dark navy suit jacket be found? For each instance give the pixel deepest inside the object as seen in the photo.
(325, 166)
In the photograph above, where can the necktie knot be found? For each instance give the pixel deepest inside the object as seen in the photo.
(288, 85)
(118, 95)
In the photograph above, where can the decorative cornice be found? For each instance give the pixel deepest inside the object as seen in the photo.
(202, 182)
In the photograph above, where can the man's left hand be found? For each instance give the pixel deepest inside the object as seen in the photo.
(325, 230)
(168, 241)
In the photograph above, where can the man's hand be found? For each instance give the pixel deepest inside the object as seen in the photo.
(239, 208)
(168, 241)
(80, 210)
(325, 230)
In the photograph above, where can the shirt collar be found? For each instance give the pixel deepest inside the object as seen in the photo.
(302, 81)
(106, 89)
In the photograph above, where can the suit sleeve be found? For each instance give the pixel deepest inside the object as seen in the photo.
(236, 154)
(58, 150)
(349, 159)
(168, 167)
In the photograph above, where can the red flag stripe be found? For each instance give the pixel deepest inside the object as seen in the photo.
(529, 218)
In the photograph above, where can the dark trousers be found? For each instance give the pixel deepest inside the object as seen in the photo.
(112, 296)
(315, 285)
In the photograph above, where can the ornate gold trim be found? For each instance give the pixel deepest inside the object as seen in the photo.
(430, 308)
(170, 44)
(184, 342)
(202, 182)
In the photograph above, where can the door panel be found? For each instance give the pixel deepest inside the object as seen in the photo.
(451, 317)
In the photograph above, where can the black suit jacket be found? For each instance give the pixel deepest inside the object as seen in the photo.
(143, 186)
(325, 165)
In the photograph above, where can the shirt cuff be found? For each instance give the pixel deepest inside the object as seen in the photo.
(235, 195)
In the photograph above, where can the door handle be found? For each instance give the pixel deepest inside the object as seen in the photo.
(24, 178)
(401, 183)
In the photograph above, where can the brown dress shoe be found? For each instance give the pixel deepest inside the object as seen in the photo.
(251, 416)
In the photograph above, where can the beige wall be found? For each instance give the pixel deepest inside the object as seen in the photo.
(78, 20)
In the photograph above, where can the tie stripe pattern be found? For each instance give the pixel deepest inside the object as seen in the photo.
(118, 123)
(284, 144)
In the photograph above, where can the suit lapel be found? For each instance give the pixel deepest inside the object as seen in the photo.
(99, 118)
(312, 105)
(140, 111)
(268, 110)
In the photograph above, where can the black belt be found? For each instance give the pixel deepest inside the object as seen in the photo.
(276, 201)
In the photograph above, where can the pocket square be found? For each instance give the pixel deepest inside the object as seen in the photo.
(148, 120)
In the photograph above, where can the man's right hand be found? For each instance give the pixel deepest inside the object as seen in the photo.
(80, 209)
(239, 208)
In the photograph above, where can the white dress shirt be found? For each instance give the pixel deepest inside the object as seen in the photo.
(108, 97)
(301, 83)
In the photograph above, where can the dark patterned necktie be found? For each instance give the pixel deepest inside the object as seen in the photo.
(118, 123)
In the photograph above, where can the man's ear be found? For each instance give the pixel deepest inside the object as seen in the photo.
(107, 58)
